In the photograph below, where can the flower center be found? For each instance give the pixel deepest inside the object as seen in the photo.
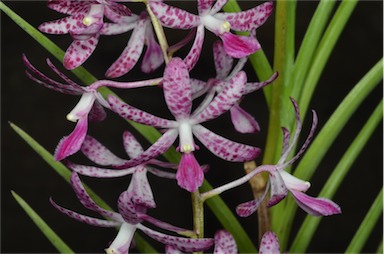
(186, 138)
(217, 26)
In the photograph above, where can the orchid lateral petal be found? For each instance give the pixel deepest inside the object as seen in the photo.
(189, 175)
(242, 121)
(115, 12)
(163, 164)
(99, 172)
(248, 208)
(87, 201)
(238, 46)
(127, 208)
(153, 57)
(286, 139)
(175, 47)
(315, 206)
(62, 26)
(79, 51)
(218, 6)
(225, 100)
(114, 29)
(140, 189)
(225, 148)
(195, 51)
(70, 144)
(69, 81)
(294, 183)
(198, 87)
(157, 148)
(85, 219)
(98, 153)
(170, 249)
(131, 54)
(162, 224)
(161, 173)
(177, 89)
(248, 20)
(224, 243)
(204, 6)
(269, 244)
(131, 145)
(69, 7)
(128, 112)
(173, 17)
(278, 189)
(181, 243)
(223, 62)
(254, 86)
(97, 113)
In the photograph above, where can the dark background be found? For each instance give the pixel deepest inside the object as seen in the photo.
(41, 113)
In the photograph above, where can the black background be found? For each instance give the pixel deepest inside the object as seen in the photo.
(41, 113)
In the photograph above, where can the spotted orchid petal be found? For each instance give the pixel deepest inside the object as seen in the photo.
(131, 54)
(269, 244)
(97, 113)
(114, 29)
(157, 148)
(70, 144)
(131, 145)
(87, 201)
(161, 173)
(242, 121)
(67, 80)
(177, 89)
(62, 26)
(163, 164)
(153, 57)
(127, 208)
(225, 148)
(70, 7)
(128, 112)
(225, 100)
(204, 6)
(189, 175)
(140, 189)
(223, 62)
(248, 20)
(163, 225)
(99, 172)
(247, 208)
(181, 243)
(173, 17)
(194, 53)
(98, 153)
(79, 51)
(238, 46)
(286, 139)
(170, 249)
(115, 12)
(254, 86)
(85, 219)
(278, 189)
(198, 87)
(123, 240)
(217, 6)
(224, 243)
(315, 206)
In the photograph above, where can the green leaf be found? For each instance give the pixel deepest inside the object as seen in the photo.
(56, 241)
(310, 224)
(367, 225)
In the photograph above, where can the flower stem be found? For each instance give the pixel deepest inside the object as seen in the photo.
(198, 214)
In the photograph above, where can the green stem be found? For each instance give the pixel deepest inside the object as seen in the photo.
(310, 224)
(367, 225)
(198, 214)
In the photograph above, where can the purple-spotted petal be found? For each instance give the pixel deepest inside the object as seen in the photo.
(239, 46)
(131, 54)
(160, 173)
(85, 219)
(278, 189)
(127, 208)
(131, 145)
(254, 86)
(70, 144)
(97, 113)
(315, 206)
(87, 201)
(79, 51)
(70, 7)
(225, 148)
(170, 249)
(217, 6)
(242, 121)
(269, 244)
(153, 57)
(128, 112)
(177, 89)
(99, 172)
(140, 189)
(248, 20)
(198, 87)
(224, 243)
(113, 28)
(194, 53)
(224, 100)
(158, 148)
(173, 17)
(181, 243)
(223, 62)
(204, 6)
(189, 175)
(62, 26)
(115, 12)
(248, 208)
(162, 224)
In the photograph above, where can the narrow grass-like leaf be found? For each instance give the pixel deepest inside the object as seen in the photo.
(56, 241)
(64, 172)
(310, 224)
(380, 248)
(324, 140)
(367, 225)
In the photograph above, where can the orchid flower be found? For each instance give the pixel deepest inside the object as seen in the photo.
(85, 24)
(218, 23)
(89, 107)
(178, 97)
(142, 34)
(128, 220)
(281, 182)
(269, 244)
(241, 120)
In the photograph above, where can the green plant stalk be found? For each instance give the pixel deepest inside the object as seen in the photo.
(310, 224)
(216, 204)
(324, 50)
(324, 140)
(380, 248)
(65, 173)
(258, 59)
(56, 241)
(367, 225)
(198, 215)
